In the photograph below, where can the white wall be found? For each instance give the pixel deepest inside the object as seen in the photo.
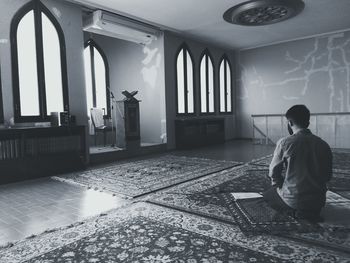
(136, 67)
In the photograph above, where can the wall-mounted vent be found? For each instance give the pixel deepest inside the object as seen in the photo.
(263, 12)
(116, 26)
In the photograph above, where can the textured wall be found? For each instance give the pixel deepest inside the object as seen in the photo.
(314, 71)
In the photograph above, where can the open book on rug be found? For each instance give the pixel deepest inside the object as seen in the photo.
(245, 195)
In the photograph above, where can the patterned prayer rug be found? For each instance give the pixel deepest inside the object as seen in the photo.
(334, 231)
(341, 161)
(337, 238)
(148, 233)
(204, 197)
(253, 216)
(135, 178)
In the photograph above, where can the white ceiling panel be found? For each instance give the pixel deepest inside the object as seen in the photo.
(202, 19)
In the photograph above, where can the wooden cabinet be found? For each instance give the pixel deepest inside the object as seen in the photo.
(27, 153)
(191, 133)
(128, 124)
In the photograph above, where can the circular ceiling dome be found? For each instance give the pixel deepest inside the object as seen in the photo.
(263, 12)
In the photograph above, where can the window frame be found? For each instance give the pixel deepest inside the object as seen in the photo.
(185, 48)
(223, 59)
(206, 54)
(92, 44)
(38, 8)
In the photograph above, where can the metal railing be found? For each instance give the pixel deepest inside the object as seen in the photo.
(332, 127)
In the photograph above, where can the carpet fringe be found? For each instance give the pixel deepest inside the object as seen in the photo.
(64, 180)
(89, 187)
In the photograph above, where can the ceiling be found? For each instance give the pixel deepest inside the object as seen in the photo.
(202, 20)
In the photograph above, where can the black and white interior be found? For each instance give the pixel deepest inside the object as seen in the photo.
(208, 85)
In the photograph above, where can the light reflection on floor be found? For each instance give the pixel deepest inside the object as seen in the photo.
(93, 202)
(34, 206)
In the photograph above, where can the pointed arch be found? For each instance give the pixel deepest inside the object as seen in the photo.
(207, 83)
(39, 67)
(185, 93)
(97, 77)
(225, 85)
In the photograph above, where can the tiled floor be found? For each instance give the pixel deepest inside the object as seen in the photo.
(32, 207)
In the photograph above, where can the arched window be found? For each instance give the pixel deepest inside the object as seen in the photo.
(207, 83)
(97, 78)
(184, 80)
(225, 86)
(39, 64)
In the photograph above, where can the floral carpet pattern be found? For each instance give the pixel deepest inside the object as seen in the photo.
(135, 178)
(254, 216)
(148, 233)
(194, 219)
(204, 197)
(341, 161)
(143, 240)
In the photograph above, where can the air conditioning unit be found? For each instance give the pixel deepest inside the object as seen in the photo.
(104, 23)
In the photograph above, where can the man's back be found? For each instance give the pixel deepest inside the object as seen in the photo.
(308, 162)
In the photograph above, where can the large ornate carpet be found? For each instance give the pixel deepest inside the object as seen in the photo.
(208, 197)
(341, 161)
(202, 196)
(149, 233)
(135, 178)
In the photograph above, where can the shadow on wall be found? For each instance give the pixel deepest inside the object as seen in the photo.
(152, 63)
(153, 118)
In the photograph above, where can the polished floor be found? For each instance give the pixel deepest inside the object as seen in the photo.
(31, 207)
(235, 150)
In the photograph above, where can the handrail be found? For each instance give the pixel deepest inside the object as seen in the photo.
(316, 116)
(268, 140)
(312, 114)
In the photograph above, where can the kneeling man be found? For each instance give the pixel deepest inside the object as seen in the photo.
(307, 160)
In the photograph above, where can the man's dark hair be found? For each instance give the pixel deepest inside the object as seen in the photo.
(299, 115)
